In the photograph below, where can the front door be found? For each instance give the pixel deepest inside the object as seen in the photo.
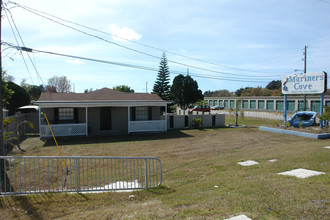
(105, 118)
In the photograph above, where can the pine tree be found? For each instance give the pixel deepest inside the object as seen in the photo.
(161, 86)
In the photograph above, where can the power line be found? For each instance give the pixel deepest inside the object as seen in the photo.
(44, 15)
(145, 45)
(19, 35)
(11, 27)
(128, 65)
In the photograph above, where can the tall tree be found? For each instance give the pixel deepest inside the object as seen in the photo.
(161, 86)
(33, 90)
(61, 83)
(9, 78)
(123, 88)
(5, 91)
(18, 99)
(177, 91)
(192, 93)
(218, 93)
(275, 84)
(184, 91)
(239, 92)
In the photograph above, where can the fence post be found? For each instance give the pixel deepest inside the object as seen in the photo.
(2, 171)
(77, 181)
(146, 172)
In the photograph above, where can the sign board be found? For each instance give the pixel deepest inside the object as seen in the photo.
(305, 83)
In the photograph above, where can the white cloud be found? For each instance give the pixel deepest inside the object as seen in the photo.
(123, 34)
(76, 61)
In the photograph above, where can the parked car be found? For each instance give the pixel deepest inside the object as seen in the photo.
(200, 109)
(218, 107)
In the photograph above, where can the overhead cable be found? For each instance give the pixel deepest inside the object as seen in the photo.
(14, 34)
(44, 15)
(19, 35)
(129, 65)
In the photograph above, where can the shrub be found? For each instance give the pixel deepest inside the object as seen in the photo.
(197, 122)
(326, 115)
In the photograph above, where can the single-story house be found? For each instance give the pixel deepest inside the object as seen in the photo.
(101, 112)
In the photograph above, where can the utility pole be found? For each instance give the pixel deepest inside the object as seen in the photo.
(305, 61)
(2, 147)
(5, 184)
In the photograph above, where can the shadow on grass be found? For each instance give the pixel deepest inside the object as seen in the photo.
(116, 138)
(32, 206)
(160, 190)
(24, 203)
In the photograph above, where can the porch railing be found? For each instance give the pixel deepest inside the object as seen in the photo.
(31, 174)
(63, 130)
(144, 126)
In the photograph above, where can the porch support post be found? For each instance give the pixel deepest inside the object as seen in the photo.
(86, 121)
(165, 127)
(128, 119)
(40, 122)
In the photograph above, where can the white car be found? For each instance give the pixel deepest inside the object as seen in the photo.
(217, 107)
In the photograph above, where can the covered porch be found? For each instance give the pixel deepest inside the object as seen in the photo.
(76, 120)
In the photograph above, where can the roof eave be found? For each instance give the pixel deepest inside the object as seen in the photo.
(92, 103)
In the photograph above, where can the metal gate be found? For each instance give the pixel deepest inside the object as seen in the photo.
(32, 174)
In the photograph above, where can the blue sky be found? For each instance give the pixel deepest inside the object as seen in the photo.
(241, 43)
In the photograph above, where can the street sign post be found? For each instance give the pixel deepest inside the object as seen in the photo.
(305, 83)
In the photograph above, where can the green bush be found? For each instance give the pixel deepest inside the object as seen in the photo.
(326, 114)
(197, 122)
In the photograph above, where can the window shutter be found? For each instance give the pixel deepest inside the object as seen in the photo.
(75, 112)
(56, 115)
(150, 113)
(133, 114)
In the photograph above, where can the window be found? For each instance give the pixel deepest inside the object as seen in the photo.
(65, 114)
(141, 113)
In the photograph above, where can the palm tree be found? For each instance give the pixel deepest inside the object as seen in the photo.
(237, 110)
(202, 103)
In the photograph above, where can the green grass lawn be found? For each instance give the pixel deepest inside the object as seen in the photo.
(201, 177)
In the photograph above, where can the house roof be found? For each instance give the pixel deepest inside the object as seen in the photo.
(104, 94)
(102, 97)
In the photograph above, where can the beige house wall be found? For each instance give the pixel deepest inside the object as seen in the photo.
(119, 120)
(207, 121)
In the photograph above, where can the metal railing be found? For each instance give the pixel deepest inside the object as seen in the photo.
(143, 126)
(63, 130)
(31, 174)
